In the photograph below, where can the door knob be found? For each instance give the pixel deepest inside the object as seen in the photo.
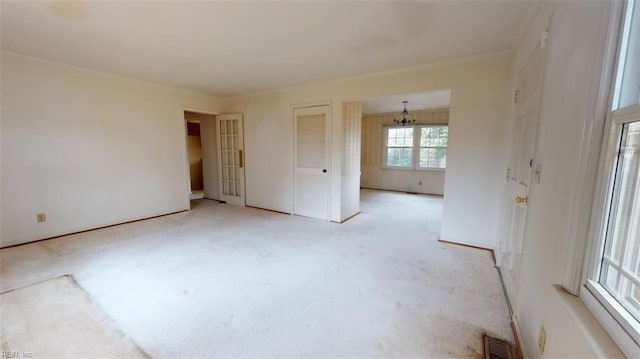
(324, 170)
(521, 200)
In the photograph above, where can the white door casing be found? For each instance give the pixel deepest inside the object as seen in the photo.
(311, 140)
(525, 117)
(231, 158)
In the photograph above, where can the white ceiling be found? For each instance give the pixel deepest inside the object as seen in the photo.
(417, 101)
(230, 48)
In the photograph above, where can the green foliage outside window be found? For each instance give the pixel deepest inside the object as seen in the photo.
(430, 142)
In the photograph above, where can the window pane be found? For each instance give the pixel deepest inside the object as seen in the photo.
(629, 72)
(609, 278)
(630, 300)
(434, 136)
(399, 157)
(400, 137)
(433, 157)
(622, 243)
(433, 143)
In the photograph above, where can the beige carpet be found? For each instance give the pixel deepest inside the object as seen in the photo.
(226, 281)
(56, 318)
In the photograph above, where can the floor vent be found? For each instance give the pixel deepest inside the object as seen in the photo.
(497, 349)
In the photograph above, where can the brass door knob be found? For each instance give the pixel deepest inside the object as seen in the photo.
(521, 200)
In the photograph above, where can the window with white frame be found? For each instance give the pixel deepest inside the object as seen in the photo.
(433, 146)
(620, 263)
(614, 278)
(416, 147)
(399, 147)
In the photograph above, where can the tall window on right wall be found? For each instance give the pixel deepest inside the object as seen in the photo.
(620, 269)
(615, 276)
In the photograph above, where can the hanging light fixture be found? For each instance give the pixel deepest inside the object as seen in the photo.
(405, 113)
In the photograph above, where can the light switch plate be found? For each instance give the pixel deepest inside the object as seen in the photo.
(41, 217)
(537, 173)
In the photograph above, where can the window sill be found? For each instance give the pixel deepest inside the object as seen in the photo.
(621, 326)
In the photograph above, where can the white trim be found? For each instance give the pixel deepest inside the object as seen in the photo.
(603, 192)
(607, 313)
(187, 169)
(591, 144)
(200, 111)
(465, 243)
(624, 45)
(312, 104)
(627, 114)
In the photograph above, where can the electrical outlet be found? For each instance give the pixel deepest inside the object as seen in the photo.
(41, 217)
(542, 340)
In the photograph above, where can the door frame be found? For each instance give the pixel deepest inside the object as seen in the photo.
(187, 170)
(328, 151)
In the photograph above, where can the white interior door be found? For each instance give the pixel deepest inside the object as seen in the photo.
(311, 159)
(525, 117)
(231, 158)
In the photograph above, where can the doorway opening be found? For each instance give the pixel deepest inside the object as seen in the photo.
(407, 157)
(195, 159)
(202, 156)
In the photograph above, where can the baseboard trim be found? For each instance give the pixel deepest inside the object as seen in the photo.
(398, 191)
(515, 327)
(444, 240)
(93, 229)
(493, 254)
(346, 219)
(269, 210)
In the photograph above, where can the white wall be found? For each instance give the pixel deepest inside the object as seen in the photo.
(573, 69)
(476, 143)
(351, 148)
(418, 181)
(88, 149)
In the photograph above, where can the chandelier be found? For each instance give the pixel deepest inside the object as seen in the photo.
(405, 113)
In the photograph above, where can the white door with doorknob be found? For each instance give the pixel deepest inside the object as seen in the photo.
(311, 158)
(520, 175)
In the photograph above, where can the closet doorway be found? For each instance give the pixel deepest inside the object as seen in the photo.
(202, 155)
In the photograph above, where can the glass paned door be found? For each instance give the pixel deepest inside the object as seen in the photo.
(231, 158)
